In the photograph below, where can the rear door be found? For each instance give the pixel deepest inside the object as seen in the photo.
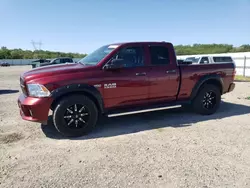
(128, 85)
(164, 73)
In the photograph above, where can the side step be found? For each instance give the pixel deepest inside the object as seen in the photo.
(142, 111)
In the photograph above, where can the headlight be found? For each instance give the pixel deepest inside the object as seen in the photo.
(37, 90)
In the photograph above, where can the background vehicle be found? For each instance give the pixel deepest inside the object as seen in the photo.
(41, 61)
(210, 59)
(121, 79)
(182, 62)
(60, 60)
(4, 64)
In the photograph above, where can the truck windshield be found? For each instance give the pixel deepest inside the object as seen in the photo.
(96, 56)
(193, 59)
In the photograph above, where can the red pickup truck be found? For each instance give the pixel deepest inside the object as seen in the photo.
(121, 79)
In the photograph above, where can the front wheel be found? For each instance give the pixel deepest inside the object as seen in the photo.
(75, 115)
(207, 100)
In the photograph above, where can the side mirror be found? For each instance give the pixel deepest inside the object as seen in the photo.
(115, 64)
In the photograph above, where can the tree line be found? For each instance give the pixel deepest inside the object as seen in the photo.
(209, 49)
(6, 53)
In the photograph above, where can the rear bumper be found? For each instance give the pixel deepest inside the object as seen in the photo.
(231, 87)
(34, 109)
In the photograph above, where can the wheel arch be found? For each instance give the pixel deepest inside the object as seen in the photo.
(208, 79)
(81, 89)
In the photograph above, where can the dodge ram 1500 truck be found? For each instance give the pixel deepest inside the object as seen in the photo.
(121, 79)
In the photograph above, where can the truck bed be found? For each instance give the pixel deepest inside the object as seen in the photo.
(191, 74)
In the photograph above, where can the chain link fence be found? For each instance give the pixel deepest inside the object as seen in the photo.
(242, 65)
(24, 61)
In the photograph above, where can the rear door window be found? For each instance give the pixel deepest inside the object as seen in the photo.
(159, 55)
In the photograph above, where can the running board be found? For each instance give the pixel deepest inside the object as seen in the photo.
(143, 111)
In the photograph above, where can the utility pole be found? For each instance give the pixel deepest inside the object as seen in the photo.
(37, 47)
(35, 44)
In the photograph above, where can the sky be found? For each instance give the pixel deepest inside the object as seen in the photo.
(84, 25)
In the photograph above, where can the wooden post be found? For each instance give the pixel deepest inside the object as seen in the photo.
(244, 68)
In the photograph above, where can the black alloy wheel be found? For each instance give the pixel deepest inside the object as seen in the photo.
(76, 116)
(209, 100)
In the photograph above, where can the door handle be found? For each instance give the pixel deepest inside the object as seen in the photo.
(140, 74)
(170, 71)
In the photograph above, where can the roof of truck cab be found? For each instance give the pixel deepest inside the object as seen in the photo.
(144, 42)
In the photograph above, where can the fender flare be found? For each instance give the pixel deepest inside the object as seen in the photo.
(206, 79)
(80, 88)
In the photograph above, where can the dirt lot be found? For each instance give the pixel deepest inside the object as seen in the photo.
(173, 148)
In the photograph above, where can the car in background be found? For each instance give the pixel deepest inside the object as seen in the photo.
(41, 61)
(209, 59)
(59, 60)
(4, 64)
(180, 61)
(183, 62)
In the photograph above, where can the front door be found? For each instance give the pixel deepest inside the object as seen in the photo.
(128, 85)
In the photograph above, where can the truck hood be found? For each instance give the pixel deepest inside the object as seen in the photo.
(53, 70)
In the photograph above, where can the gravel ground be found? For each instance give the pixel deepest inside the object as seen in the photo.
(172, 148)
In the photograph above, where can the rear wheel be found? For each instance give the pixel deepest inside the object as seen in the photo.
(207, 100)
(75, 115)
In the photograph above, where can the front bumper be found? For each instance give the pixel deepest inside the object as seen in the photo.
(34, 109)
(231, 87)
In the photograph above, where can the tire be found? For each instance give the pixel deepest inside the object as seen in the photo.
(207, 100)
(75, 115)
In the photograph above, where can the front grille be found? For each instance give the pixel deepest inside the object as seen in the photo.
(23, 86)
